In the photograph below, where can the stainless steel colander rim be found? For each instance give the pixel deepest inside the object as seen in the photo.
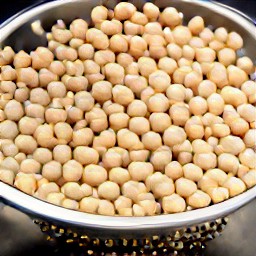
(46, 211)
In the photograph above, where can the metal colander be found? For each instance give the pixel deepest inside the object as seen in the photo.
(182, 233)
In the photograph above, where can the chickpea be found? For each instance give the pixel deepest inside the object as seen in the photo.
(94, 175)
(118, 44)
(104, 57)
(35, 110)
(174, 170)
(70, 204)
(205, 161)
(85, 155)
(118, 121)
(124, 11)
(89, 204)
(220, 130)
(26, 144)
(136, 83)
(249, 89)
(159, 122)
(239, 127)
(10, 163)
(137, 46)
(111, 27)
(234, 41)
(215, 104)
(44, 136)
(167, 64)
(139, 18)
(227, 56)
(26, 183)
(137, 108)
(235, 186)
(119, 175)
(170, 17)
(158, 103)
(124, 59)
(198, 105)
(146, 94)
(247, 112)
(128, 140)
(122, 95)
(8, 129)
(196, 25)
(84, 100)
(250, 138)
(196, 43)
(185, 187)
(139, 155)
(159, 80)
(42, 155)
(218, 194)
(131, 189)
(236, 76)
(206, 183)
(13, 110)
(52, 171)
(112, 108)
(245, 64)
(233, 96)
(248, 158)
(78, 28)
(174, 135)
(218, 75)
(231, 144)
(151, 140)
(139, 125)
(8, 148)
(250, 178)
(109, 190)
(192, 172)
(99, 14)
(7, 176)
(199, 199)
(86, 52)
(228, 163)
(139, 171)
(54, 115)
(161, 158)
(174, 51)
(42, 57)
(146, 66)
(102, 91)
(21, 60)
(206, 35)
(151, 11)
(111, 159)
(62, 153)
(106, 208)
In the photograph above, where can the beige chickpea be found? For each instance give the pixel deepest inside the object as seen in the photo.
(173, 204)
(159, 81)
(234, 41)
(55, 198)
(181, 73)
(198, 105)
(119, 175)
(122, 95)
(45, 189)
(14, 110)
(111, 27)
(111, 159)
(102, 91)
(247, 112)
(161, 158)
(196, 43)
(235, 186)
(205, 54)
(122, 202)
(196, 25)
(54, 115)
(70, 204)
(124, 11)
(99, 14)
(103, 57)
(249, 88)
(206, 183)
(76, 43)
(170, 17)
(139, 125)
(137, 46)
(248, 158)
(74, 191)
(218, 75)
(63, 132)
(174, 51)
(227, 56)
(233, 96)
(139, 155)
(159, 122)
(146, 66)
(250, 138)
(131, 189)
(8, 73)
(133, 29)
(124, 59)
(246, 64)
(199, 199)
(66, 53)
(176, 93)
(35, 110)
(158, 103)
(137, 108)
(89, 204)
(42, 155)
(28, 125)
(21, 60)
(86, 155)
(167, 64)
(139, 171)
(74, 115)
(192, 172)
(91, 67)
(86, 52)
(151, 11)
(136, 83)
(84, 100)
(216, 45)
(239, 127)
(146, 94)
(78, 28)
(57, 67)
(111, 108)
(174, 135)
(236, 76)
(106, 208)
(118, 121)
(231, 144)
(229, 114)
(206, 35)
(7, 176)
(128, 140)
(56, 90)
(205, 161)
(228, 163)
(118, 43)
(250, 178)
(72, 170)
(26, 143)
(220, 130)
(82, 137)
(218, 195)
(109, 190)
(114, 73)
(206, 88)
(221, 34)
(42, 57)
(215, 104)
(10, 163)
(174, 170)
(62, 153)
(75, 84)
(26, 183)
(8, 148)
(185, 187)
(94, 175)
(7, 55)
(151, 140)
(44, 136)
(52, 170)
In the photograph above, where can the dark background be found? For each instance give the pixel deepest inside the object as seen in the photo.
(20, 237)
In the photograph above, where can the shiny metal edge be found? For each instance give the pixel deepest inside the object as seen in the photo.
(50, 212)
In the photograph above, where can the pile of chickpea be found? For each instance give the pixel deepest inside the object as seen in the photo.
(134, 115)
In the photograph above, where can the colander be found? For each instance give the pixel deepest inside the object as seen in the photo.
(164, 232)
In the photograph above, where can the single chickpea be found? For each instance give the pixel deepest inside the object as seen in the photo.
(85, 155)
(8, 73)
(102, 91)
(218, 195)
(42, 155)
(72, 170)
(128, 140)
(179, 114)
(205, 54)
(8, 148)
(247, 112)
(249, 88)
(234, 41)
(136, 83)
(159, 81)
(124, 59)
(119, 175)
(218, 75)
(236, 76)
(139, 125)
(122, 95)
(52, 171)
(196, 25)
(62, 153)
(74, 191)
(76, 43)
(114, 73)
(137, 46)
(124, 11)
(207, 183)
(151, 11)
(139, 18)
(42, 57)
(181, 73)
(109, 190)
(158, 103)
(35, 110)
(111, 27)
(99, 14)
(146, 94)
(161, 158)
(227, 56)
(205, 161)
(170, 17)
(231, 144)
(216, 45)
(118, 121)
(78, 28)
(14, 110)
(233, 96)
(139, 171)
(75, 68)
(139, 155)
(54, 115)
(131, 189)
(198, 106)
(21, 60)
(159, 122)
(199, 199)
(168, 36)
(86, 52)
(137, 108)
(122, 202)
(118, 44)
(82, 137)
(185, 187)
(220, 130)
(111, 108)
(26, 183)
(56, 90)
(250, 178)
(153, 28)
(250, 138)
(173, 204)
(235, 186)
(89, 204)
(151, 140)
(174, 135)
(174, 51)
(196, 43)
(66, 53)
(176, 93)
(104, 57)
(7, 176)
(10, 163)
(248, 158)
(174, 170)
(167, 64)
(138, 210)
(26, 143)
(149, 206)
(246, 64)
(94, 175)
(84, 100)
(70, 204)
(111, 159)
(228, 163)
(239, 127)
(106, 208)
(206, 35)
(215, 104)
(28, 125)
(221, 34)
(192, 172)
(146, 66)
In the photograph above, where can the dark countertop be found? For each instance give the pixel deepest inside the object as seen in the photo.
(20, 237)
